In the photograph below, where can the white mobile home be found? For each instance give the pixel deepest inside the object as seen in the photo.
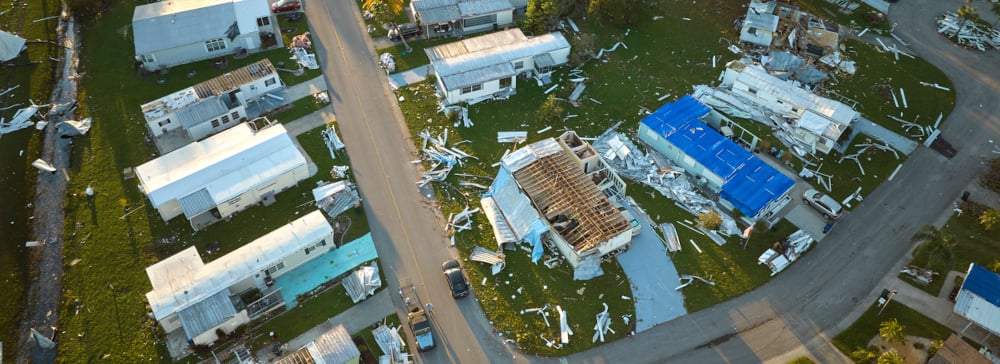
(815, 122)
(212, 179)
(477, 68)
(170, 33)
(200, 298)
(458, 17)
(213, 105)
(979, 299)
(760, 24)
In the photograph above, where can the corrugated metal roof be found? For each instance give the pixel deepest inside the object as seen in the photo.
(759, 79)
(233, 80)
(201, 111)
(196, 203)
(179, 283)
(334, 347)
(439, 11)
(206, 314)
(749, 183)
(488, 51)
(767, 22)
(514, 206)
(480, 7)
(501, 230)
(478, 76)
(226, 164)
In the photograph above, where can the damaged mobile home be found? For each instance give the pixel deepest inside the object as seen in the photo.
(742, 180)
(773, 25)
(558, 192)
(440, 18)
(487, 66)
(213, 179)
(214, 105)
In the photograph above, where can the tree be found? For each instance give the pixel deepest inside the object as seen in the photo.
(995, 266)
(710, 220)
(990, 217)
(892, 332)
(937, 244)
(966, 13)
(996, 10)
(890, 357)
(621, 13)
(541, 17)
(550, 112)
(385, 11)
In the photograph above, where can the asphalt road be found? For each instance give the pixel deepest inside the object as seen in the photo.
(793, 315)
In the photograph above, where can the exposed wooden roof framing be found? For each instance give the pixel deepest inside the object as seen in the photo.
(558, 186)
(300, 356)
(230, 81)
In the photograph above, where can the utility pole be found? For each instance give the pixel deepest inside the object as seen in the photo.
(889, 299)
(114, 297)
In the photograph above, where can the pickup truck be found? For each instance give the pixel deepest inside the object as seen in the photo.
(417, 318)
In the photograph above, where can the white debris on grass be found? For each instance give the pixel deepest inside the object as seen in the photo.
(332, 140)
(463, 220)
(564, 330)
(512, 136)
(390, 342)
(337, 197)
(687, 280)
(441, 157)
(603, 325)
(968, 33)
(786, 251)
(339, 171)
(362, 282)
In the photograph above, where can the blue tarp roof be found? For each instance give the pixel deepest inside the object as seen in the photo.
(749, 183)
(983, 283)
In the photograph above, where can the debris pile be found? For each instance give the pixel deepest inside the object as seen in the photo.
(362, 282)
(299, 47)
(544, 313)
(564, 330)
(332, 140)
(786, 251)
(920, 275)
(337, 197)
(387, 63)
(972, 34)
(494, 258)
(442, 157)
(603, 324)
(462, 221)
(391, 343)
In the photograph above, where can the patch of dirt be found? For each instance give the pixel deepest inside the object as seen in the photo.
(910, 353)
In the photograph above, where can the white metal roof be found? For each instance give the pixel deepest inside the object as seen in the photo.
(333, 347)
(438, 11)
(767, 22)
(172, 23)
(755, 76)
(226, 164)
(467, 61)
(181, 281)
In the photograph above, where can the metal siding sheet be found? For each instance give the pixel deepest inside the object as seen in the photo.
(196, 203)
(335, 346)
(208, 313)
(201, 112)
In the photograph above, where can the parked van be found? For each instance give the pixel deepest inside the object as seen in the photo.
(408, 30)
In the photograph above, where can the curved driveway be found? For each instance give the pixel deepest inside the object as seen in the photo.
(791, 316)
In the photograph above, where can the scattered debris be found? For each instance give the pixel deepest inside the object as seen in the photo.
(512, 136)
(299, 46)
(972, 34)
(671, 238)
(442, 158)
(391, 343)
(542, 311)
(695, 246)
(935, 85)
(920, 275)
(337, 197)
(463, 220)
(687, 280)
(786, 251)
(564, 330)
(73, 127)
(339, 172)
(601, 52)
(603, 324)
(387, 63)
(362, 282)
(43, 166)
(332, 141)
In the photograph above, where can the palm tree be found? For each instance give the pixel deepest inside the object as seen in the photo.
(990, 217)
(385, 11)
(937, 244)
(890, 357)
(892, 331)
(966, 12)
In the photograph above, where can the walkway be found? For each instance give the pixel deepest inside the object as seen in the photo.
(413, 75)
(898, 142)
(354, 319)
(652, 277)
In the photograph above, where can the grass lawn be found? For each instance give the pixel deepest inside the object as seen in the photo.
(866, 327)
(863, 17)
(802, 360)
(114, 250)
(34, 82)
(974, 244)
(416, 57)
(297, 109)
(303, 317)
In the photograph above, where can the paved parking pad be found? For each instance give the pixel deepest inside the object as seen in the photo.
(652, 277)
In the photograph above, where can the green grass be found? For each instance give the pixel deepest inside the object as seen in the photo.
(35, 83)
(303, 317)
(296, 109)
(864, 17)
(416, 57)
(380, 30)
(802, 360)
(974, 244)
(116, 251)
(866, 327)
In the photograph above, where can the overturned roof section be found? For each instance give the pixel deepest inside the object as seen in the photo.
(748, 182)
(558, 188)
(488, 57)
(225, 165)
(439, 11)
(170, 24)
(979, 298)
(182, 280)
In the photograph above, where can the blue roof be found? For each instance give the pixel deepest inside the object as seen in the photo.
(983, 283)
(749, 183)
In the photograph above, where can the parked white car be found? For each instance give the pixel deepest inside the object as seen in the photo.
(823, 203)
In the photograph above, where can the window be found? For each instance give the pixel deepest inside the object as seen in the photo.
(148, 58)
(752, 90)
(472, 88)
(215, 45)
(225, 119)
(236, 115)
(164, 122)
(269, 81)
(263, 21)
(480, 20)
(215, 123)
(276, 267)
(506, 82)
(518, 65)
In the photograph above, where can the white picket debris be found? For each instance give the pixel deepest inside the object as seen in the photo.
(601, 52)
(862, 34)
(902, 95)
(664, 97)
(972, 34)
(553, 88)
(603, 325)
(894, 36)
(542, 130)
(895, 171)
(463, 220)
(564, 330)
(938, 121)
(687, 280)
(695, 246)
(512, 136)
(895, 101)
(935, 85)
(573, 25)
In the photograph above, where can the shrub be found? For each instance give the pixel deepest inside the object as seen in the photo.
(991, 179)
(710, 220)
(550, 112)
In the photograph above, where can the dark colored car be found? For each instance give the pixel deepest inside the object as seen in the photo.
(286, 5)
(456, 279)
(408, 30)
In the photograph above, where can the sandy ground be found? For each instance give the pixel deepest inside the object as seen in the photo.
(42, 308)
